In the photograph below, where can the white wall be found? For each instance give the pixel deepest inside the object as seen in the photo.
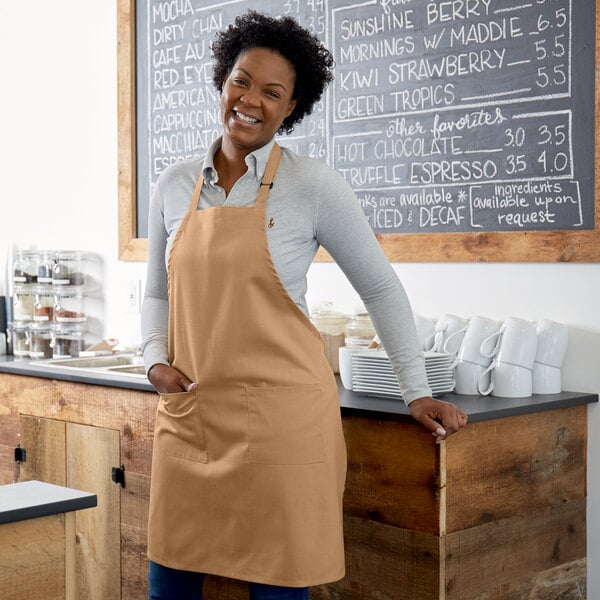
(58, 189)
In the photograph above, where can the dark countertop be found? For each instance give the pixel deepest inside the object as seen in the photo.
(478, 408)
(32, 499)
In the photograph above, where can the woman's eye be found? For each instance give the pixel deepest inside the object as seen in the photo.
(272, 94)
(239, 81)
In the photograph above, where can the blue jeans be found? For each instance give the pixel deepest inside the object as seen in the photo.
(171, 584)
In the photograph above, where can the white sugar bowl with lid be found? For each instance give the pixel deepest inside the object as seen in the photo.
(331, 324)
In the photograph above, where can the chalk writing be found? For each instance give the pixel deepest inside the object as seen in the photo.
(444, 115)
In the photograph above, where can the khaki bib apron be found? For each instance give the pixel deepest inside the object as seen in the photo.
(248, 470)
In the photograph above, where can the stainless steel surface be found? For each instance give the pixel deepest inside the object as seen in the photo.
(129, 369)
(96, 362)
(128, 365)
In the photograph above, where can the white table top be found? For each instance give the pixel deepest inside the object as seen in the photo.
(31, 499)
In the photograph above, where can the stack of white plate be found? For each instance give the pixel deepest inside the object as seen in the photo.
(372, 374)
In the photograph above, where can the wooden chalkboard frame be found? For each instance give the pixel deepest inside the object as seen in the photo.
(521, 246)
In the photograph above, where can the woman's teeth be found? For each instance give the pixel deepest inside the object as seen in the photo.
(246, 118)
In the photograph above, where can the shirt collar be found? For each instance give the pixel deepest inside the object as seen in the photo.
(256, 161)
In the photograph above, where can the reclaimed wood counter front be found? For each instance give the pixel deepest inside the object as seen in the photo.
(498, 511)
(37, 533)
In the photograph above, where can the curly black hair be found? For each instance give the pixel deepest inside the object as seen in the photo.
(309, 57)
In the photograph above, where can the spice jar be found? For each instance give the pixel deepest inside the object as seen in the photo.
(23, 300)
(20, 340)
(68, 268)
(331, 325)
(40, 340)
(47, 261)
(359, 331)
(67, 340)
(25, 266)
(68, 306)
(43, 306)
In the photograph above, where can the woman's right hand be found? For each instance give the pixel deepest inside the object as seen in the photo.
(168, 380)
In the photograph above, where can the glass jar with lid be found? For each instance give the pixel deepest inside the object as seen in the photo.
(40, 340)
(25, 266)
(68, 305)
(67, 339)
(69, 268)
(331, 325)
(43, 305)
(20, 338)
(47, 260)
(359, 331)
(22, 301)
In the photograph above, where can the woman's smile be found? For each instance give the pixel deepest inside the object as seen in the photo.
(245, 118)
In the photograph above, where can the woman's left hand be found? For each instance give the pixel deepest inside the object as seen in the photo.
(431, 412)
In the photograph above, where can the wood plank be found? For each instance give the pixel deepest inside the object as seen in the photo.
(92, 452)
(495, 554)
(7, 464)
(565, 582)
(383, 561)
(70, 557)
(45, 443)
(393, 474)
(130, 246)
(134, 563)
(9, 416)
(9, 429)
(500, 468)
(135, 500)
(32, 559)
(134, 518)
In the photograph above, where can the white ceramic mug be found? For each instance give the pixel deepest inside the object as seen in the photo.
(425, 328)
(546, 379)
(479, 329)
(552, 342)
(515, 343)
(445, 326)
(467, 376)
(507, 381)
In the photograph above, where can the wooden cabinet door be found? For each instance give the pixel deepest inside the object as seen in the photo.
(45, 443)
(81, 457)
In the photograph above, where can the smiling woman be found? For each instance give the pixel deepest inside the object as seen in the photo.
(249, 459)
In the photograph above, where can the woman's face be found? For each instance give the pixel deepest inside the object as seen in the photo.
(256, 98)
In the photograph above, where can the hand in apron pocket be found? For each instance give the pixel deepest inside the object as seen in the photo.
(179, 429)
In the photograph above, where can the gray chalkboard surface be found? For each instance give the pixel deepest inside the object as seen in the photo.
(444, 116)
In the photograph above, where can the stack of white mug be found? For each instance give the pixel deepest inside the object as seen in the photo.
(552, 343)
(445, 336)
(513, 359)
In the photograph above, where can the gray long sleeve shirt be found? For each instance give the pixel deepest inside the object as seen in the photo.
(312, 206)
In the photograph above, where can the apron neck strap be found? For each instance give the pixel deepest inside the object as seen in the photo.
(267, 181)
(196, 195)
(265, 185)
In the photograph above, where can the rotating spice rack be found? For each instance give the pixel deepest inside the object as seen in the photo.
(49, 319)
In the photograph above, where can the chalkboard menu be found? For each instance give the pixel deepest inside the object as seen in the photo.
(444, 116)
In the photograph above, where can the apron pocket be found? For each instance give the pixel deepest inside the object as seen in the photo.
(179, 430)
(284, 427)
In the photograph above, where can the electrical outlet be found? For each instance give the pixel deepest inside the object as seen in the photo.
(133, 304)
